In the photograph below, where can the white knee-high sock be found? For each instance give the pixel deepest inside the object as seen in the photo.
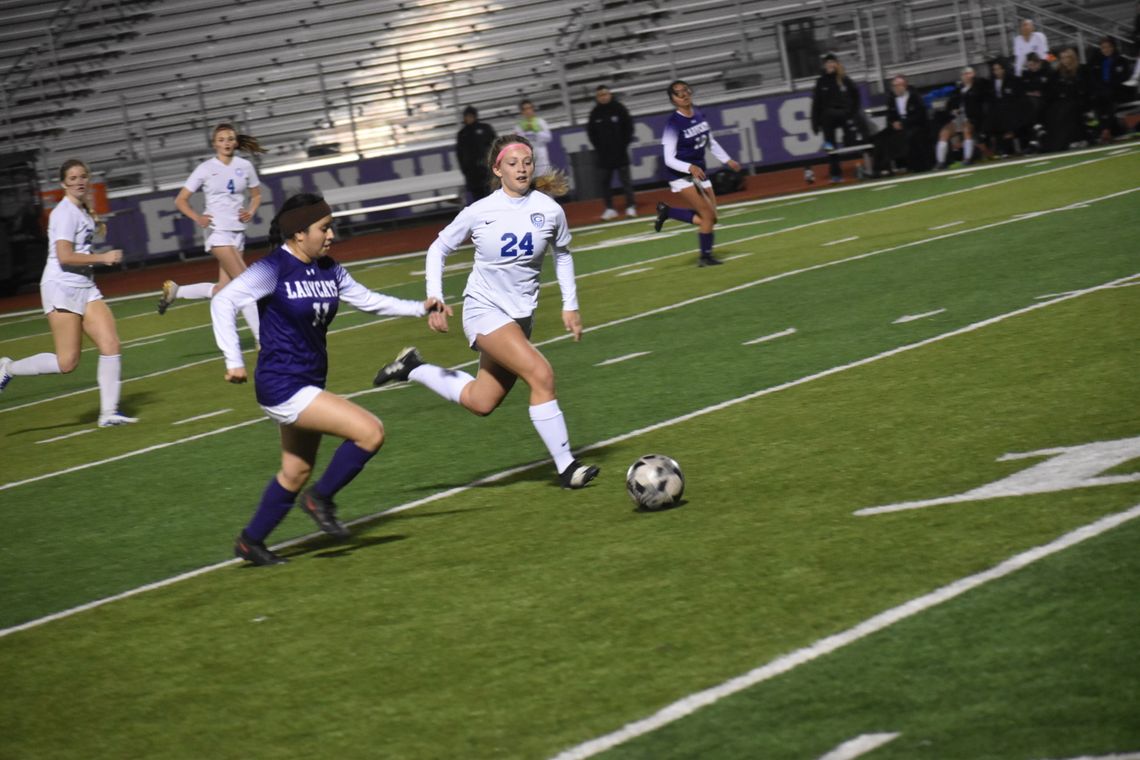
(39, 364)
(941, 150)
(551, 427)
(448, 383)
(967, 150)
(197, 290)
(253, 319)
(108, 374)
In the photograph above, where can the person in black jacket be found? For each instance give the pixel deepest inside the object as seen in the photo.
(1007, 109)
(1064, 115)
(472, 144)
(967, 108)
(1037, 84)
(835, 105)
(1107, 73)
(611, 131)
(905, 140)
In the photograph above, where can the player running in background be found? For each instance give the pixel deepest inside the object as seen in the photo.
(537, 132)
(300, 289)
(223, 180)
(71, 300)
(511, 230)
(686, 136)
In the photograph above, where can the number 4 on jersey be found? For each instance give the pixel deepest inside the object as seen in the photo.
(230, 186)
(510, 240)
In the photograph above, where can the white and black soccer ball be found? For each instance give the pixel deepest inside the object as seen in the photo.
(655, 481)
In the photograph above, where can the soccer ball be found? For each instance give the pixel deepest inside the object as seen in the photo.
(655, 481)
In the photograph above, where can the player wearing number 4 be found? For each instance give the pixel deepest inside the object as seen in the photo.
(224, 180)
(300, 289)
(71, 300)
(511, 230)
(684, 140)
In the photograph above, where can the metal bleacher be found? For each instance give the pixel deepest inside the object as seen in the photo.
(133, 86)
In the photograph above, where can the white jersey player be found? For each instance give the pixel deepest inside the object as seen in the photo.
(72, 302)
(224, 181)
(512, 229)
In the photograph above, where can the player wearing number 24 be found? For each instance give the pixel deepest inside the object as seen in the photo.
(511, 229)
(298, 289)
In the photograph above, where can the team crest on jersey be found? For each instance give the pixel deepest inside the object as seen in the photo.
(239, 172)
(537, 220)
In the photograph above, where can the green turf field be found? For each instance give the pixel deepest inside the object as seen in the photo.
(890, 344)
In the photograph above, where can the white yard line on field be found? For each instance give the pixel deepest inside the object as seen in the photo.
(202, 416)
(619, 359)
(69, 435)
(885, 187)
(736, 256)
(859, 746)
(835, 642)
(946, 226)
(628, 272)
(912, 317)
(521, 468)
(766, 338)
(840, 241)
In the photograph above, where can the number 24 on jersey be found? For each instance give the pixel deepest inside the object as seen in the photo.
(512, 244)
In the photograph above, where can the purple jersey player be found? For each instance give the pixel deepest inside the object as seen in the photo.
(298, 289)
(686, 136)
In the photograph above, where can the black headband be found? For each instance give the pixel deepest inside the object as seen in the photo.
(297, 219)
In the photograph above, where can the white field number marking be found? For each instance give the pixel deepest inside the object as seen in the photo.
(1068, 467)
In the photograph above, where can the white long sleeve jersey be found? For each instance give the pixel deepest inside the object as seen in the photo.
(511, 236)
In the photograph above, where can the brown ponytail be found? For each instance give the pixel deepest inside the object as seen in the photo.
(552, 182)
(248, 143)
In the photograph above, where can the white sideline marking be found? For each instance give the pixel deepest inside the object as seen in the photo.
(202, 416)
(627, 357)
(884, 187)
(628, 272)
(140, 342)
(963, 175)
(883, 620)
(720, 227)
(1052, 295)
(841, 240)
(946, 226)
(521, 468)
(1118, 152)
(1041, 163)
(69, 435)
(736, 256)
(912, 317)
(860, 745)
(773, 336)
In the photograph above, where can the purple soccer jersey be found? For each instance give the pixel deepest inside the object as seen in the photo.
(684, 142)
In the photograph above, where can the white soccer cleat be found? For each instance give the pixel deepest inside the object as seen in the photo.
(5, 375)
(609, 214)
(631, 211)
(114, 419)
(169, 293)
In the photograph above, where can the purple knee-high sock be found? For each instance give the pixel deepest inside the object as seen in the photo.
(347, 462)
(682, 214)
(706, 239)
(276, 502)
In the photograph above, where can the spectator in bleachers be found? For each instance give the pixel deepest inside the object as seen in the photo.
(835, 105)
(1026, 42)
(1006, 111)
(611, 131)
(1064, 115)
(1134, 80)
(904, 142)
(534, 128)
(472, 144)
(1037, 85)
(1108, 71)
(967, 108)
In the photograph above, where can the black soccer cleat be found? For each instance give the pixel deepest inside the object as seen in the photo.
(407, 360)
(708, 261)
(323, 511)
(662, 215)
(577, 475)
(256, 552)
(169, 293)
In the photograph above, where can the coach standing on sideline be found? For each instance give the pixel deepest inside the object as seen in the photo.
(611, 131)
(472, 143)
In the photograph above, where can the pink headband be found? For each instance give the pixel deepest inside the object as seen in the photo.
(507, 147)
